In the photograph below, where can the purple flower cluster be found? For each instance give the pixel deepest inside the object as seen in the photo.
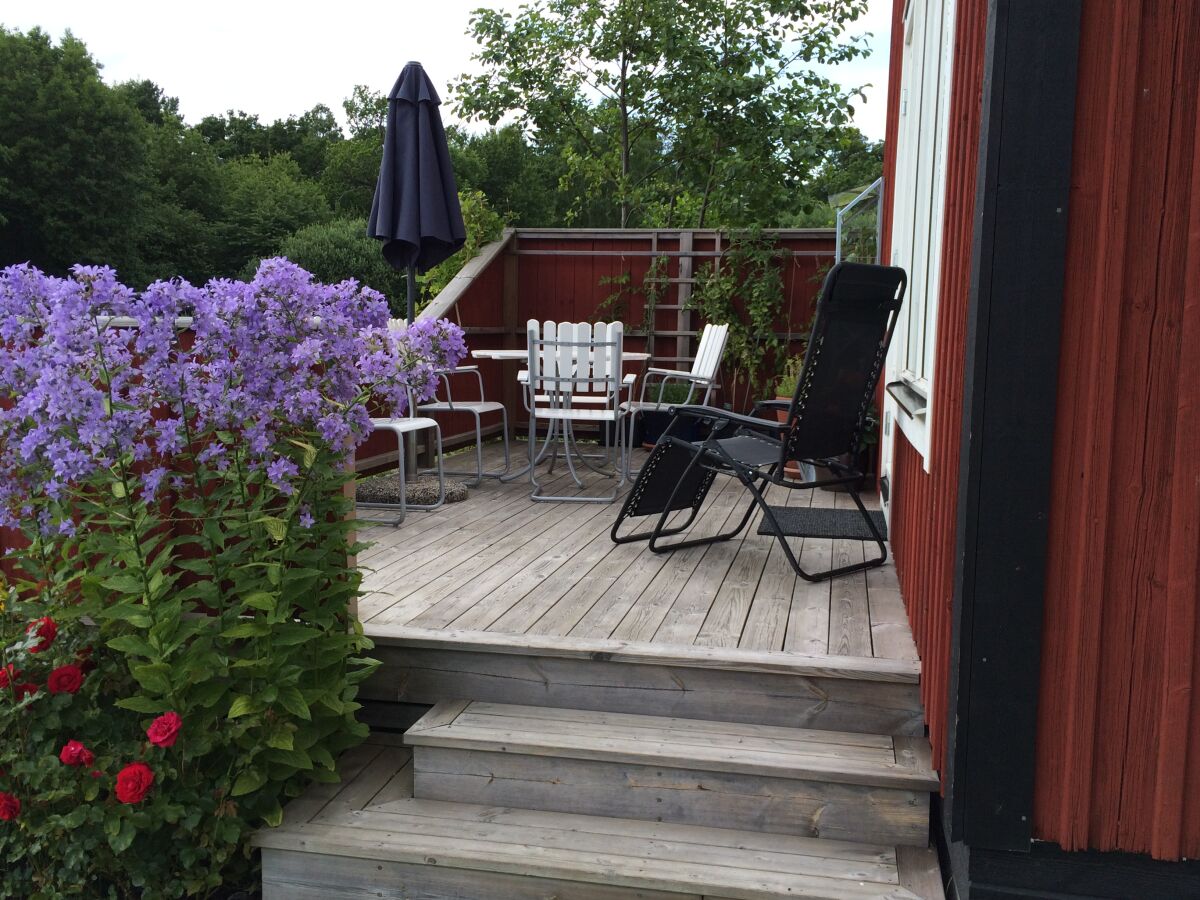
(96, 379)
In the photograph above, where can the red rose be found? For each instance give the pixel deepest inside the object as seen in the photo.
(133, 782)
(46, 630)
(96, 773)
(9, 675)
(75, 754)
(10, 807)
(65, 679)
(164, 730)
(24, 690)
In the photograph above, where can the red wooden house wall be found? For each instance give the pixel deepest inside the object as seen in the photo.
(1119, 716)
(1118, 738)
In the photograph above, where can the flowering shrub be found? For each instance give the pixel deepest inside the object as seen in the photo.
(177, 654)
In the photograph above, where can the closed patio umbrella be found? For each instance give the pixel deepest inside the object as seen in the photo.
(415, 211)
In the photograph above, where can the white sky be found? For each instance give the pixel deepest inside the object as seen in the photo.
(279, 59)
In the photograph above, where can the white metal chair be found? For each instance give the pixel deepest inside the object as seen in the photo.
(702, 378)
(574, 375)
(478, 409)
(402, 426)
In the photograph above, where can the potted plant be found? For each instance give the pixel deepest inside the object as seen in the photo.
(785, 389)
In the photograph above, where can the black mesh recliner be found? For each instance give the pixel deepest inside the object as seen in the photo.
(856, 315)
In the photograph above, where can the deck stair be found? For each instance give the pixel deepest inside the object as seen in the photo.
(369, 837)
(823, 784)
(489, 801)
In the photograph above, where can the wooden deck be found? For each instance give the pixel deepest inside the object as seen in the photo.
(499, 569)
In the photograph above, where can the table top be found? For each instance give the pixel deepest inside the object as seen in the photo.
(626, 355)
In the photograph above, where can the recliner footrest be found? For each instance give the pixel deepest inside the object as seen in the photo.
(819, 522)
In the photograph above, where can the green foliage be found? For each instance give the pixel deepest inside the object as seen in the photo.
(688, 113)
(483, 225)
(351, 170)
(264, 201)
(744, 288)
(618, 305)
(74, 157)
(337, 250)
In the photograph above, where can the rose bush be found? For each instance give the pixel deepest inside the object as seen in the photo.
(177, 650)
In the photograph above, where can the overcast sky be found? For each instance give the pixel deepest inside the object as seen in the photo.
(279, 59)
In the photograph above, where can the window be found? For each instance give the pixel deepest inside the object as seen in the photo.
(918, 199)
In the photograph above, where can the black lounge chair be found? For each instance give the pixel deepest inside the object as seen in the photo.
(856, 315)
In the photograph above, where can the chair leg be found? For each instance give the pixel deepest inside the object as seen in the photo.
(661, 530)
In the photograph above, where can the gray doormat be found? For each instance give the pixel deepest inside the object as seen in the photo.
(386, 489)
(817, 522)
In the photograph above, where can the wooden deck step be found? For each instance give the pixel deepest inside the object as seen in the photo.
(366, 838)
(822, 784)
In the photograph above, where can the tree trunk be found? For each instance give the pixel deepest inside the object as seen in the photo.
(624, 141)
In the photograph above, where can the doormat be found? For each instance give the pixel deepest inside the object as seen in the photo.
(817, 522)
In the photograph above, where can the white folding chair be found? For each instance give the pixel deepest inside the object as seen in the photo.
(700, 381)
(402, 426)
(574, 375)
(477, 408)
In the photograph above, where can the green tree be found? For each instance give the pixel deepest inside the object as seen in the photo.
(340, 249)
(75, 161)
(263, 201)
(704, 109)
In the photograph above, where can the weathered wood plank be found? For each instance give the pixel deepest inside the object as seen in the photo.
(850, 667)
(294, 875)
(423, 675)
(682, 796)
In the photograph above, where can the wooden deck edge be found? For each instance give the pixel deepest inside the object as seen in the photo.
(896, 671)
(366, 843)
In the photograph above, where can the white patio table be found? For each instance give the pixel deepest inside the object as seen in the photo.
(522, 355)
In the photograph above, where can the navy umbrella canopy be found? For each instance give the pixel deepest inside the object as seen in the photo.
(415, 211)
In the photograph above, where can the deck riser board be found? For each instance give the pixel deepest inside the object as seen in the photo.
(292, 875)
(429, 676)
(681, 796)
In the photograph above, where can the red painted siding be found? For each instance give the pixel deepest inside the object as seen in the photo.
(1119, 717)
(925, 504)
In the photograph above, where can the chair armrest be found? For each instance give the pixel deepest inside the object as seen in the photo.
(673, 373)
(782, 405)
(459, 370)
(629, 379)
(711, 412)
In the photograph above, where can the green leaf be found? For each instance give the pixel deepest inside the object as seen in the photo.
(132, 643)
(125, 584)
(242, 706)
(275, 526)
(296, 759)
(123, 838)
(264, 600)
(274, 816)
(142, 705)
(155, 677)
(248, 781)
(247, 629)
(280, 740)
(293, 701)
(118, 489)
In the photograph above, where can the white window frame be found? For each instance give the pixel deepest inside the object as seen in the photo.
(918, 212)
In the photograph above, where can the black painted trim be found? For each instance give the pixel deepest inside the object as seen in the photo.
(1048, 871)
(1011, 372)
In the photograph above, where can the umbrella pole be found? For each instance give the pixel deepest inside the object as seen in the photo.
(412, 295)
(410, 457)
